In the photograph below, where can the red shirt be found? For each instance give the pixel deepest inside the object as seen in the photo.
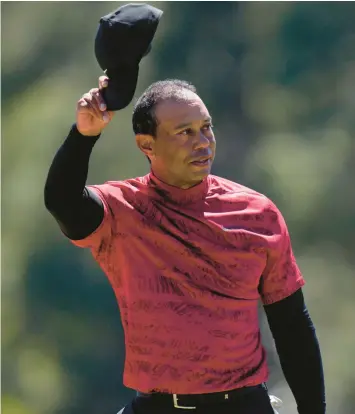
(188, 268)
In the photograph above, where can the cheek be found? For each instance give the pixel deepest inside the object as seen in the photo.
(176, 156)
(175, 151)
(212, 139)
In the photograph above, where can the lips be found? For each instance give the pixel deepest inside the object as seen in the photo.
(202, 161)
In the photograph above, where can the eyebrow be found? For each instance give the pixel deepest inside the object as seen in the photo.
(182, 126)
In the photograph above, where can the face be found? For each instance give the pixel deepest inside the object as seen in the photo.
(183, 150)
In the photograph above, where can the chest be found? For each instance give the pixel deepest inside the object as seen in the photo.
(221, 252)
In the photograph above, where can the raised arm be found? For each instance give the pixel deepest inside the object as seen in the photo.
(77, 209)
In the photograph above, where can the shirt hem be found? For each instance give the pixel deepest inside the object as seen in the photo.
(272, 298)
(198, 391)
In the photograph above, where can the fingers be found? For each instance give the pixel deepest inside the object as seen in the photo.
(93, 103)
(88, 104)
(100, 102)
(103, 82)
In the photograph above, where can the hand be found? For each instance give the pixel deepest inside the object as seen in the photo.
(91, 112)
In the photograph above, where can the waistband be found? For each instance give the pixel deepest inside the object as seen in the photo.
(192, 401)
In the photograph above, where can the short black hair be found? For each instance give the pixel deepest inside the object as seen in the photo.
(143, 119)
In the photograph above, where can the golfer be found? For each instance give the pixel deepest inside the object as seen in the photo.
(189, 255)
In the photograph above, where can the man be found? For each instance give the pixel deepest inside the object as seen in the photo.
(188, 255)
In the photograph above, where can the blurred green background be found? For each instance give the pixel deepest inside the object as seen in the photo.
(279, 80)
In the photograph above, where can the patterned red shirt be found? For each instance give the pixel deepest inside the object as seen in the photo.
(188, 268)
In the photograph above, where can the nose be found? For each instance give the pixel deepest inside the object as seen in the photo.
(201, 141)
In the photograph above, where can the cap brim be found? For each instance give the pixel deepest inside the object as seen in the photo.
(121, 87)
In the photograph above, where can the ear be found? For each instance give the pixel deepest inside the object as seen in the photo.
(146, 144)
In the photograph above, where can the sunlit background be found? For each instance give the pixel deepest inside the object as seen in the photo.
(279, 81)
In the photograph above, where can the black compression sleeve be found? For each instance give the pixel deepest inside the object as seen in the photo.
(78, 210)
(298, 349)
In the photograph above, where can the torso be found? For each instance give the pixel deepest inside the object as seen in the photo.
(186, 276)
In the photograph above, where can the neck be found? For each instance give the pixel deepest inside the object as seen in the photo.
(171, 191)
(175, 182)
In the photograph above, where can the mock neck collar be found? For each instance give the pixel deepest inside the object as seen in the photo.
(178, 195)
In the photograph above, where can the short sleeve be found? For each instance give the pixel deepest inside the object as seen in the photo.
(102, 235)
(282, 276)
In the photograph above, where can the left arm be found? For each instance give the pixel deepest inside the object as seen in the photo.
(290, 324)
(298, 349)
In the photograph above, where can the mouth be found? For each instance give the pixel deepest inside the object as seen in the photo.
(202, 162)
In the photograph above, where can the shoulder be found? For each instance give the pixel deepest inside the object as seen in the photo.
(225, 187)
(121, 191)
(231, 192)
(130, 184)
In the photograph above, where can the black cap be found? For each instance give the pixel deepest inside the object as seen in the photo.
(123, 38)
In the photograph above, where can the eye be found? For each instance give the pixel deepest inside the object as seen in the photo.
(187, 131)
(208, 126)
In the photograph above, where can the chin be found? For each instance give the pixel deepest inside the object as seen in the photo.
(201, 173)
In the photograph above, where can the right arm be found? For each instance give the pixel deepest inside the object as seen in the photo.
(77, 209)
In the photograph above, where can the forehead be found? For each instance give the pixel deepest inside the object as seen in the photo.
(186, 109)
